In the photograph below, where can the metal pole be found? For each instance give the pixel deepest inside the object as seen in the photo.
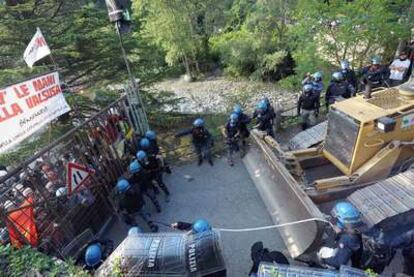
(141, 110)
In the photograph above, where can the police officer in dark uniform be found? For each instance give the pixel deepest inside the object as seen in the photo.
(152, 148)
(317, 83)
(243, 120)
(349, 74)
(406, 242)
(131, 204)
(197, 227)
(374, 75)
(202, 140)
(308, 106)
(232, 136)
(95, 253)
(153, 170)
(338, 89)
(348, 239)
(264, 118)
(137, 177)
(260, 254)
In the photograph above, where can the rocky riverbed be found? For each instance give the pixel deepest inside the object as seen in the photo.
(218, 94)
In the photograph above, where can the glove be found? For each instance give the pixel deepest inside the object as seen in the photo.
(316, 114)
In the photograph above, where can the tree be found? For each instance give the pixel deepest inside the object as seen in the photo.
(82, 40)
(255, 41)
(181, 28)
(345, 30)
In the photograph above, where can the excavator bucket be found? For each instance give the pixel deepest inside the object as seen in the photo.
(285, 199)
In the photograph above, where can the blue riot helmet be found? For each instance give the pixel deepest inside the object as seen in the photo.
(376, 60)
(337, 76)
(151, 135)
(199, 122)
(142, 157)
(234, 118)
(145, 143)
(344, 65)
(238, 109)
(134, 231)
(60, 192)
(123, 185)
(134, 167)
(346, 214)
(93, 254)
(317, 76)
(201, 225)
(307, 88)
(262, 105)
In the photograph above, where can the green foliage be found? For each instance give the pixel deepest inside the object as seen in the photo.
(237, 51)
(341, 30)
(83, 43)
(29, 262)
(291, 83)
(180, 27)
(370, 273)
(255, 43)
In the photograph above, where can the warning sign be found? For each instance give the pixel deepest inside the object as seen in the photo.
(77, 176)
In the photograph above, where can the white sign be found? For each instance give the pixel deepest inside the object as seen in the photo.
(407, 121)
(36, 50)
(77, 176)
(28, 106)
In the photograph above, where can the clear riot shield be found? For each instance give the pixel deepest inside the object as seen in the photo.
(279, 270)
(166, 254)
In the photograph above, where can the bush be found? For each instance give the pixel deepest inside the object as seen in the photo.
(237, 50)
(291, 83)
(29, 262)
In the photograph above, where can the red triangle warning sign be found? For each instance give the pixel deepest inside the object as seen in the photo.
(77, 176)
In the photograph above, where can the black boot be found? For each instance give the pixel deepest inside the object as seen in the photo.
(200, 161)
(154, 228)
(210, 161)
(304, 126)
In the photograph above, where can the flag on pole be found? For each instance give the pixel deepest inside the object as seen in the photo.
(36, 50)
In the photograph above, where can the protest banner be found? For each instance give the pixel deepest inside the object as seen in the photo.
(28, 106)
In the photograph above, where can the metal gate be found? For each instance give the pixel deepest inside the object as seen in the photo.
(36, 206)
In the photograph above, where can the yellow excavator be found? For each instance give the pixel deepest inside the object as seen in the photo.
(364, 158)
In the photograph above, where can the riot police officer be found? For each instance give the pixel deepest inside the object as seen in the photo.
(197, 227)
(137, 177)
(349, 74)
(308, 106)
(317, 83)
(348, 239)
(243, 120)
(232, 136)
(338, 89)
(131, 204)
(374, 75)
(152, 148)
(202, 140)
(95, 253)
(153, 170)
(264, 118)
